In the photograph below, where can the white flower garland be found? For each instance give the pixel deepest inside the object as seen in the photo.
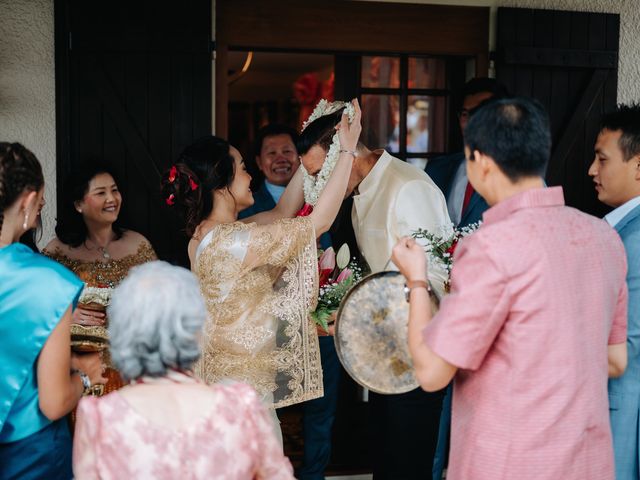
(314, 184)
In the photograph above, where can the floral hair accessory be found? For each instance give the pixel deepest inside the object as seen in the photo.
(192, 184)
(173, 172)
(313, 185)
(170, 199)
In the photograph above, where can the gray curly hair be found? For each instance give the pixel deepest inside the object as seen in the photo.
(155, 318)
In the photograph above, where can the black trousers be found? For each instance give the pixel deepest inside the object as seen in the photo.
(404, 434)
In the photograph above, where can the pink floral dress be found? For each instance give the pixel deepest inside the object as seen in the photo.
(234, 440)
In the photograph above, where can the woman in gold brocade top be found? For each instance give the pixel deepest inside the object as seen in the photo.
(259, 276)
(90, 242)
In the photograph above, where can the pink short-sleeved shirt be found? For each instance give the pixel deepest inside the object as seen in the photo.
(537, 294)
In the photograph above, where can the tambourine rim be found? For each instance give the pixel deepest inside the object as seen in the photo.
(385, 273)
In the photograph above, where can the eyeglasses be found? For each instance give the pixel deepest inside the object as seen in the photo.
(466, 113)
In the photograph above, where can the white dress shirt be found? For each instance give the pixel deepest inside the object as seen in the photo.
(619, 213)
(457, 192)
(394, 200)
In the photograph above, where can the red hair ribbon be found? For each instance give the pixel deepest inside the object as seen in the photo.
(193, 184)
(172, 174)
(170, 199)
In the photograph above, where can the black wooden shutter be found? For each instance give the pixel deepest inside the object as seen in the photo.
(133, 89)
(568, 61)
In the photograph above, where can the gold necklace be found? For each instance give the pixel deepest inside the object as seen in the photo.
(101, 249)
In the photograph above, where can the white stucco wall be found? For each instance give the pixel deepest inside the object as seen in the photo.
(27, 73)
(27, 88)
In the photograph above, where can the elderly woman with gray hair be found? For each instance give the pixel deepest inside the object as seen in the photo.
(166, 423)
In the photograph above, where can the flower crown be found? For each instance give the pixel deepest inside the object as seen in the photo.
(314, 184)
(325, 108)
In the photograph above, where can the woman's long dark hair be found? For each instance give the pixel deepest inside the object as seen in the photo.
(70, 227)
(19, 171)
(204, 166)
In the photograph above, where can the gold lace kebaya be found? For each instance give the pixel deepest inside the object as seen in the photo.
(260, 282)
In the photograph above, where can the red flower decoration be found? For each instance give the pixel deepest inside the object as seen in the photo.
(324, 276)
(172, 174)
(452, 249)
(193, 184)
(305, 211)
(170, 199)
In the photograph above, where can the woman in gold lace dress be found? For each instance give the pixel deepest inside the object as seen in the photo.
(259, 275)
(90, 242)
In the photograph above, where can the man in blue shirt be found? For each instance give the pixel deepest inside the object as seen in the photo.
(616, 174)
(277, 159)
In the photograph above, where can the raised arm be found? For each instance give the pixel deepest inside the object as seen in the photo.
(290, 202)
(332, 196)
(325, 211)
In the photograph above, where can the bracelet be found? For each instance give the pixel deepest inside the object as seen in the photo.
(86, 381)
(350, 152)
(419, 284)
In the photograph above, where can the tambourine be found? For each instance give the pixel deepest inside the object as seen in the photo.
(371, 334)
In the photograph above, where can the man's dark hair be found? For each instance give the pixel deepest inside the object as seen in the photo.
(319, 132)
(515, 133)
(626, 118)
(482, 84)
(271, 130)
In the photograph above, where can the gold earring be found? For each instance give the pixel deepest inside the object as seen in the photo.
(26, 221)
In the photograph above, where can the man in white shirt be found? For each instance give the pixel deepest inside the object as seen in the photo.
(391, 199)
(616, 173)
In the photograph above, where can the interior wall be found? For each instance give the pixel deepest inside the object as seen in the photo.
(27, 88)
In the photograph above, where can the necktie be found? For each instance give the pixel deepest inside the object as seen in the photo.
(467, 197)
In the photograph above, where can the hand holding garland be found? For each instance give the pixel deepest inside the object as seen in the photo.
(332, 196)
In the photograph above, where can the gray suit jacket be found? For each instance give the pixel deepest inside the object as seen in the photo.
(624, 392)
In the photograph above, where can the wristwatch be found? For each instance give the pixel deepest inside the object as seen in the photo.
(86, 381)
(411, 284)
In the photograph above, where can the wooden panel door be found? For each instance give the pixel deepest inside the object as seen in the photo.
(133, 89)
(568, 61)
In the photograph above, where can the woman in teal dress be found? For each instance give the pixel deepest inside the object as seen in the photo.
(37, 388)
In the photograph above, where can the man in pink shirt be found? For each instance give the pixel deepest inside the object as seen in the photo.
(535, 321)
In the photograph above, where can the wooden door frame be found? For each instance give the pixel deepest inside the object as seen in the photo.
(339, 26)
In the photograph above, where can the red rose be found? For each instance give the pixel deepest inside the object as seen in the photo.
(451, 250)
(305, 211)
(324, 277)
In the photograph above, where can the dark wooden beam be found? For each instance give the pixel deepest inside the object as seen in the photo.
(353, 26)
(559, 57)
